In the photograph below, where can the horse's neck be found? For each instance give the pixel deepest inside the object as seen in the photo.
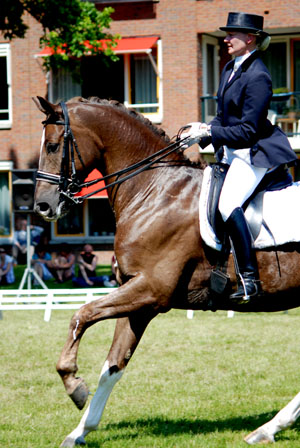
(127, 147)
(124, 156)
(128, 155)
(127, 141)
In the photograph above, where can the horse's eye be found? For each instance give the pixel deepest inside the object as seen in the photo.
(51, 147)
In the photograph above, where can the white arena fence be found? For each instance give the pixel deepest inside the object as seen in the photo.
(49, 299)
(55, 299)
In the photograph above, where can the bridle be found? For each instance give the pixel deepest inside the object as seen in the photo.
(69, 186)
(66, 185)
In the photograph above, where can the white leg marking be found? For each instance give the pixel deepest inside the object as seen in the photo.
(282, 420)
(74, 331)
(92, 416)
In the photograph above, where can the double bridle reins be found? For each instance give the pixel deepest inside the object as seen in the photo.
(69, 186)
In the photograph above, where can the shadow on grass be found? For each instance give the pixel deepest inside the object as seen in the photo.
(160, 427)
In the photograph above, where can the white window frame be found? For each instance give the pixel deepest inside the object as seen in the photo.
(155, 117)
(5, 51)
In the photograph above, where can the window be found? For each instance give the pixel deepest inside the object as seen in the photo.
(93, 220)
(5, 201)
(296, 65)
(103, 78)
(282, 59)
(72, 223)
(275, 59)
(100, 218)
(143, 82)
(62, 87)
(5, 87)
(135, 79)
(210, 51)
(5, 218)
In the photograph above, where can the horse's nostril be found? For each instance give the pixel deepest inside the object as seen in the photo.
(43, 206)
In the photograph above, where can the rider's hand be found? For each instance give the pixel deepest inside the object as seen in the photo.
(196, 131)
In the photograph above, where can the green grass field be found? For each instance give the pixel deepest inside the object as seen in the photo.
(204, 382)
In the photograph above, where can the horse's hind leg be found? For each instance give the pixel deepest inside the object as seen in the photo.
(282, 420)
(128, 333)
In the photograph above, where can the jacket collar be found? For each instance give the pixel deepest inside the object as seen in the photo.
(243, 67)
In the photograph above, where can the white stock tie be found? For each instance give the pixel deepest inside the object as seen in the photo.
(233, 73)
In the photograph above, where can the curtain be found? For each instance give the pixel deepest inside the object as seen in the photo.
(275, 60)
(64, 87)
(144, 85)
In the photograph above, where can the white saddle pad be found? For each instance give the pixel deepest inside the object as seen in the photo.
(281, 212)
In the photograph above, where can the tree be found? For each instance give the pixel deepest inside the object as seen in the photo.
(71, 28)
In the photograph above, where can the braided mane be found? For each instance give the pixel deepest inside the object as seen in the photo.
(132, 112)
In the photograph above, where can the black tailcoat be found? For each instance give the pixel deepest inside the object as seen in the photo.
(241, 120)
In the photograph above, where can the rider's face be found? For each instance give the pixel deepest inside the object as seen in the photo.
(237, 43)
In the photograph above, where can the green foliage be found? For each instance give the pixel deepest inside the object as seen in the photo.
(71, 28)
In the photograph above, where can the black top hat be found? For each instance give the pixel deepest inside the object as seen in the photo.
(248, 23)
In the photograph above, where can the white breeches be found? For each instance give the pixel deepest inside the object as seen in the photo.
(240, 182)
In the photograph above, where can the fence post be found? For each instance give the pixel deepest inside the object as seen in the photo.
(49, 301)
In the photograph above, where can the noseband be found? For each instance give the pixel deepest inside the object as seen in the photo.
(69, 186)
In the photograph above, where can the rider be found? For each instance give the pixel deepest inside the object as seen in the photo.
(243, 137)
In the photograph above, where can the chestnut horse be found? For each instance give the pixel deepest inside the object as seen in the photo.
(162, 261)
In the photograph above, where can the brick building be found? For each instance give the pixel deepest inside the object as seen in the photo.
(170, 55)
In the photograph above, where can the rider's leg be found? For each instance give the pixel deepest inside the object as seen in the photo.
(239, 232)
(240, 182)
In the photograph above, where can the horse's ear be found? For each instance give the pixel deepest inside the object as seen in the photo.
(44, 105)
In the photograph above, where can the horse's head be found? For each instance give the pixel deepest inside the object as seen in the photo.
(85, 134)
(61, 165)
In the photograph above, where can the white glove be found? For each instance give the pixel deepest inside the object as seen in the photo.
(197, 131)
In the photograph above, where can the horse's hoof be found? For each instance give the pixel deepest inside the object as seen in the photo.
(80, 394)
(70, 443)
(80, 441)
(259, 436)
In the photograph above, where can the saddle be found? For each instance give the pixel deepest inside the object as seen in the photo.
(276, 179)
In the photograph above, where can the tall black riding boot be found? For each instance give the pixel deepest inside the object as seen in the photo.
(241, 238)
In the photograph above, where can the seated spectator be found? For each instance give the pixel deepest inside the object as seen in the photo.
(63, 265)
(87, 277)
(7, 276)
(41, 262)
(20, 240)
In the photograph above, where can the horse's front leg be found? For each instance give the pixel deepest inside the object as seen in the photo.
(130, 297)
(282, 420)
(128, 333)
